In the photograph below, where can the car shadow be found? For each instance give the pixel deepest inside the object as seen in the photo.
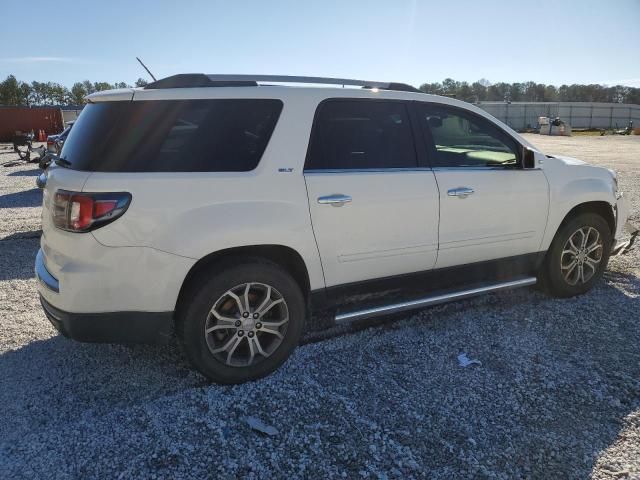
(18, 254)
(27, 198)
(22, 235)
(25, 173)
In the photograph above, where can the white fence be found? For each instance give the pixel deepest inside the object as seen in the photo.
(524, 115)
(70, 115)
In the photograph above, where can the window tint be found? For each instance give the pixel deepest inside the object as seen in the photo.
(361, 135)
(171, 135)
(465, 140)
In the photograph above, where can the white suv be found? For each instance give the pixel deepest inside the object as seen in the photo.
(230, 209)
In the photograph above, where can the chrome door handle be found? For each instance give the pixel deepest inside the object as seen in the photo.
(336, 200)
(460, 192)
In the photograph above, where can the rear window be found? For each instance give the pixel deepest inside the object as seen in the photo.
(171, 136)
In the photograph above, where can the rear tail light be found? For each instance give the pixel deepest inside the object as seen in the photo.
(82, 212)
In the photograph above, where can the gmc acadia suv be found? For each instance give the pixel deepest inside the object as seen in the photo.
(230, 208)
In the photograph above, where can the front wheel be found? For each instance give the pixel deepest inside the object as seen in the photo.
(242, 322)
(578, 256)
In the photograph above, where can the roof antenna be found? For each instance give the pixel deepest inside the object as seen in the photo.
(148, 71)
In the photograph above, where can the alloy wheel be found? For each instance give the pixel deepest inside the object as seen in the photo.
(581, 255)
(246, 324)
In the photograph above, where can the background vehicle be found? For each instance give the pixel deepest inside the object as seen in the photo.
(233, 210)
(55, 142)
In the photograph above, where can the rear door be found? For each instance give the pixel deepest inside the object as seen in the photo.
(490, 206)
(374, 210)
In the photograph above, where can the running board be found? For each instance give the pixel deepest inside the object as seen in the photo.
(435, 300)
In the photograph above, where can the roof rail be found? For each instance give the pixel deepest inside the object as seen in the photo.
(190, 80)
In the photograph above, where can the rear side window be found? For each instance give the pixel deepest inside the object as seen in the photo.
(356, 135)
(171, 136)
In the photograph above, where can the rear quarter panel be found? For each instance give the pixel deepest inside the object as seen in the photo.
(195, 214)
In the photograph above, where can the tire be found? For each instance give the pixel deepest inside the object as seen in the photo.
(557, 276)
(216, 301)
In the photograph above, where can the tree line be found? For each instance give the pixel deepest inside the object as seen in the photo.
(532, 92)
(17, 93)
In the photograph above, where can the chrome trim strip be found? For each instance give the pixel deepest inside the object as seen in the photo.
(416, 169)
(366, 170)
(480, 169)
(43, 275)
(428, 301)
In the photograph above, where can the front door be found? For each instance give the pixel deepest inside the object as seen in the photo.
(374, 211)
(490, 207)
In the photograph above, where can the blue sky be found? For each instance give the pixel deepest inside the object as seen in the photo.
(412, 41)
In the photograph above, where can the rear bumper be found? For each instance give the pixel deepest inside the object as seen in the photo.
(78, 274)
(43, 276)
(113, 327)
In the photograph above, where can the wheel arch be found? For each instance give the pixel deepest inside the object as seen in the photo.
(599, 207)
(286, 257)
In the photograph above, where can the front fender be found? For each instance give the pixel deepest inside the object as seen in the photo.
(569, 194)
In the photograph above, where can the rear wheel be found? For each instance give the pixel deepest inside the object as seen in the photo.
(578, 256)
(243, 322)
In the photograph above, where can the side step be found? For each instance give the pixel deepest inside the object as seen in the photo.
(434, 300)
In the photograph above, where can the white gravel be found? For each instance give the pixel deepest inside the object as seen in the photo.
(557, 394)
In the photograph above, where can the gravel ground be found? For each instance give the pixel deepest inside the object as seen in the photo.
(557, 394)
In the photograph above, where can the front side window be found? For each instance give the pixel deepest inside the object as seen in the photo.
(461, 139)
(225, 135)
(360, 135)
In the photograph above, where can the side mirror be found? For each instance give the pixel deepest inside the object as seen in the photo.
(528, 158)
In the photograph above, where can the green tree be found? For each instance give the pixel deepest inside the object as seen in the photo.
(25, 94)
(498, 92)
(88, 87)
(432, 88)
(100, 86)
(516, 92)
(10, 91)
(141, 82)
(465, 92)
(78, 92)
(450, 87)
(550, 94)
(479, 91)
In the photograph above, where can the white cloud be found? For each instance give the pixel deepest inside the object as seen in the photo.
(38, 60)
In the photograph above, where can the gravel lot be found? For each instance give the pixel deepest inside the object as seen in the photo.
(557, 394)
